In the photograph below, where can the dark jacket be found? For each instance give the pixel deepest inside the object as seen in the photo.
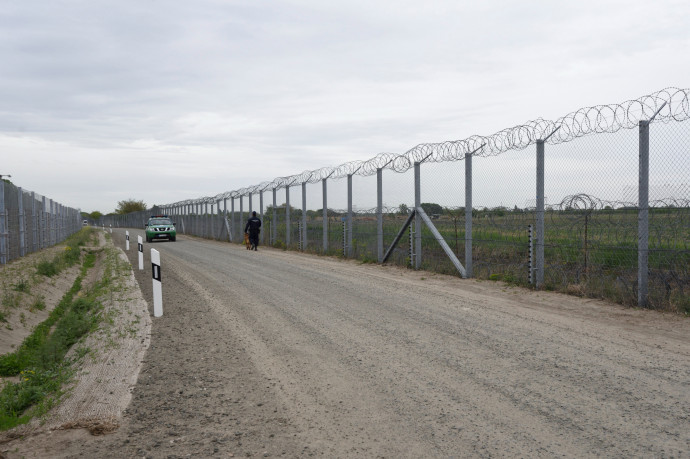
(253, 225)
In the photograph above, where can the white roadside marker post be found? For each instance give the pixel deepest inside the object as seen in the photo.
(127, 240)
(157, 286)
(141, 252)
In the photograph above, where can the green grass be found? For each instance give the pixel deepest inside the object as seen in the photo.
(16, 399)
(47, 268)
(593, 256)
(38, 304)
(22, 285)
(40, 362)
(28, 354)
(70, 256)
(10, 300)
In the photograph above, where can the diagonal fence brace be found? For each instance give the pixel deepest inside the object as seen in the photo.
(446, 248)
(227, 228)
(398, 237)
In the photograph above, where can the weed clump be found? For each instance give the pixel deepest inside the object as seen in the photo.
(39, 304)
(47, 268)
(22, 286)
(70, 256)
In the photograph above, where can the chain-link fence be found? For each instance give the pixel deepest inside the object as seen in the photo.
(30, 222)
(596, 203)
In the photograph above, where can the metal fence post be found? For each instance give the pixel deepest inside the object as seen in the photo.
(379, 213)
(468, 215)
(287, 216)
(274, 221)
(34, 224)
(324, 218)
(54, 223)
(349, 217)
(207, 219)
(42, 234)
(539, 258)
(643, 217)
(232, 216)
(417, 217)
(242, 214)
(195, 220)
(51, 222)
(261, 212)
(212, 217)
(303, 234)
(199, 215)
(61, 222)
(22, 225)
(541, 236)
(220, 217)
(3, 225)
(58, 224)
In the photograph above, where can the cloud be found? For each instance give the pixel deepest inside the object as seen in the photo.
(168, 100)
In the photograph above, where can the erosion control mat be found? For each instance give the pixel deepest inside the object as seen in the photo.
(103, 382)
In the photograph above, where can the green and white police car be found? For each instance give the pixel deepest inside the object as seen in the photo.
(160, 227)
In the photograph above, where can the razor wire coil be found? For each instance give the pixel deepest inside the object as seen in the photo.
(585, 121)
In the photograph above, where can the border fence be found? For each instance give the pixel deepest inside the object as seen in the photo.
(30, 222)
(595, 203)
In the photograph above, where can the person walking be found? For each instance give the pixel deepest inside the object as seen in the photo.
(253, 227)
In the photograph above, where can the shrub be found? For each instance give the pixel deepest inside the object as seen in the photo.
(22, 285)
(47, 268)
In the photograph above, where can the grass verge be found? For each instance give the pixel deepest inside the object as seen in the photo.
(69, 257)
(40, 362)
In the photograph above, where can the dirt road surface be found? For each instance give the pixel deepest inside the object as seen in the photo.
(272, 353)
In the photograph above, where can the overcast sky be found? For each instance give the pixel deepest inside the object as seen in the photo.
(162, 101)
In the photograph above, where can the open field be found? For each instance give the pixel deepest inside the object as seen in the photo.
(587, 254)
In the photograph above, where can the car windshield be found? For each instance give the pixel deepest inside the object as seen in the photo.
(160, 221)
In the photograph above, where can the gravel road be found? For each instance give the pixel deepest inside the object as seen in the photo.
(274, 353)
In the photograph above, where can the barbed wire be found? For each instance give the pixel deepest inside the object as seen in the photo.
(597, 119)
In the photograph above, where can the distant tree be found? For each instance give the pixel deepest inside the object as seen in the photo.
(95, 215)
(403, 209)
(130, 205)
(279, 208)
(431, 208)
(499, 211)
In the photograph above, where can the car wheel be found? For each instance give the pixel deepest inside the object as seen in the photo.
(173, 238)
